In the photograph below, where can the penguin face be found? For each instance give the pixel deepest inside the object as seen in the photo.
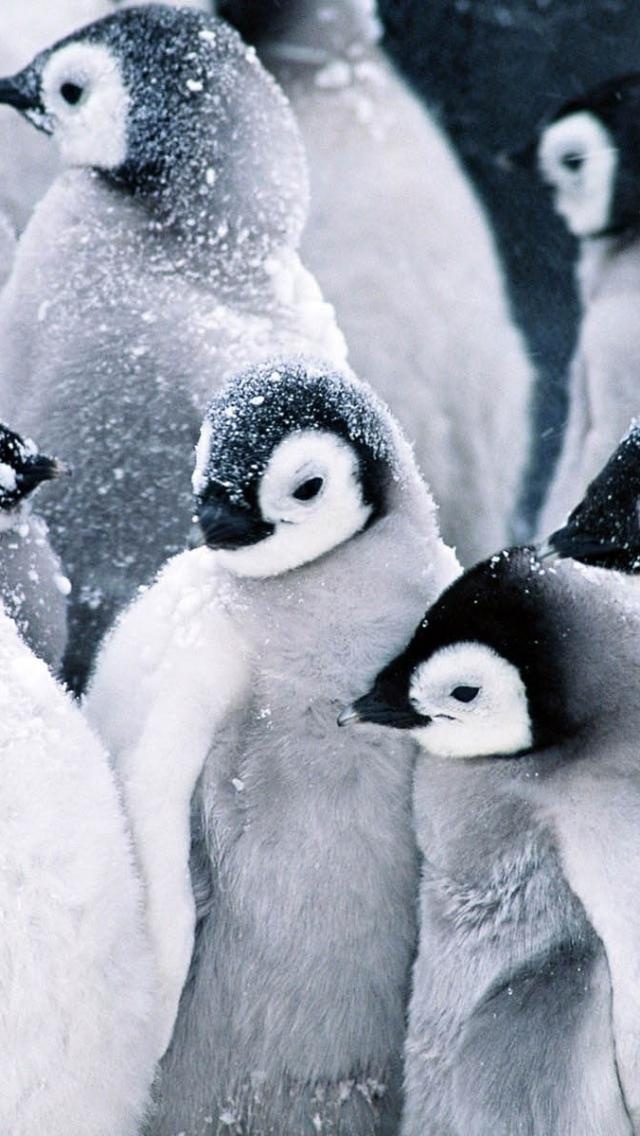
(22, 469)
(604, 529)
(85, 104)
(578, 158)
(292, 462)
(484, 675)
(474, 700)
(589, 154)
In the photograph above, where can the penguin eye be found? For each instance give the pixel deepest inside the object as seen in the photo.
(71, 93)
(308, 489)
(464, 693)
(572, 161)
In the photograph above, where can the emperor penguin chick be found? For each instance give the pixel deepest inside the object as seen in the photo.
(322, 548)
(32, 586)
(525, 1011)
(78, 1031)
(589, 155)
(399, 242)
(604, 529)
(163, 261)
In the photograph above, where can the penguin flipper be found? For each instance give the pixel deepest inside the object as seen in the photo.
(538, 1054)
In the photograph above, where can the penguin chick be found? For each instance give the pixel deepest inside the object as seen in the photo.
(399, 241)
(588, 154)
(163, 261)
(292, 1019)
(604, 529)
(33, 589)
(78, 1035)
(525, 1008)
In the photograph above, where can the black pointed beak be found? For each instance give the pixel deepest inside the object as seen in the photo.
(372, 707)
(525, 159)
(21, 91)
(40, 468)
(579, 546)
(227, 526)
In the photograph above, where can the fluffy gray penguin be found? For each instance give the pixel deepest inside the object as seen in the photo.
(163, 260)
(604, 529)
(32, 585)
(223, 677)
(400, 244)
(588, 155)
(525, 1011)
(79, 1029)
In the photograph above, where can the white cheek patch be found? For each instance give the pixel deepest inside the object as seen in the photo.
(496, 721)
(583, 197)
(304, 530)
(93, 132)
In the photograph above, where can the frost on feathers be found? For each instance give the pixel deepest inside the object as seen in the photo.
(29, 161)
(229, 684)
(400, 245)
(78, 1039)
(191, 278)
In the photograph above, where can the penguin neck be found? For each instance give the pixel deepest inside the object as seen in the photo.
(12, 519)
(600, 256)
(316, 34)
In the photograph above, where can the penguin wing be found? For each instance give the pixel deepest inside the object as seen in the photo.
(537, 1054)
(164, 682)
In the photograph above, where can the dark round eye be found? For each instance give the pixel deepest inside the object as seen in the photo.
(71, 93)
(572, 162)
(308, 489)
(465, 693)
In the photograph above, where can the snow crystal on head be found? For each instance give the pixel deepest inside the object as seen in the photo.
(256, 410)
(212, 142)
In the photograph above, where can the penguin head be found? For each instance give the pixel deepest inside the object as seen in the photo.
(483, 674)
(589, 154)
(293, 460)
(22, 469)
(170, 105)
(604, 529)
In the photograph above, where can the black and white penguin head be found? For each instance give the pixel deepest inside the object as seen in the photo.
(604, 529)
(170, 105)
(590, 156)
(485, 673)
(293, 460)
(22, 469)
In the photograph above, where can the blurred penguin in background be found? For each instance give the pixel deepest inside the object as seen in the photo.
(401, 246)
(163, 260)
(589, 156)
(525, 1009)
(33, 588)
(322, 548)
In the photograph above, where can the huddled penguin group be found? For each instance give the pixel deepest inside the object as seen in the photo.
(222, 912)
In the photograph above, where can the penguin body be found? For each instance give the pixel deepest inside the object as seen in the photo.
(588, 155)
(148, 279)
(78, 1036)
(401, 247)
(33, 588)
(292, 1017)
(524, 1009)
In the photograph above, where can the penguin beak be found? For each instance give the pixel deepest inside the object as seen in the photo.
(22, 91)
(510, 161)
(41, 468)
(227, 526)
(578, 546)
(373, 708)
